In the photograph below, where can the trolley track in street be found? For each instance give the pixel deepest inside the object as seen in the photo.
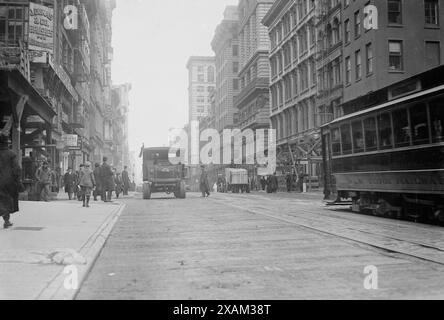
(360, 231)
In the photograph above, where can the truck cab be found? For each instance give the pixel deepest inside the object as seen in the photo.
(160, 175)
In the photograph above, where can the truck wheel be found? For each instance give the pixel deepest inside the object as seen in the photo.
(146, 191)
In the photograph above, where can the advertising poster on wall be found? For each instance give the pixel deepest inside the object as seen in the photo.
(41, 28)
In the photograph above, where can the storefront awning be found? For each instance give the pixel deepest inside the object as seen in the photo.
(21, 86)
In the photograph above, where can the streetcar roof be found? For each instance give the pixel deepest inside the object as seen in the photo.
(386, 105)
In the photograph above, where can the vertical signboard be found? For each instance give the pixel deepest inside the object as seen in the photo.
(41, 28)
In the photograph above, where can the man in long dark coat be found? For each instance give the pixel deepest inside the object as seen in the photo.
(98, 178)
(204, 184)
(70, 181)
(107, 179)
(126, 181)
(10, 182)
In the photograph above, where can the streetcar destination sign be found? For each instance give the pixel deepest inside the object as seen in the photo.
(429, 182)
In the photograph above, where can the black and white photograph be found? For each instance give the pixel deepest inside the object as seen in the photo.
(221, 156)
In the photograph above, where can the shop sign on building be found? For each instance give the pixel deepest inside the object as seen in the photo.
(41, 28)
(71, 140)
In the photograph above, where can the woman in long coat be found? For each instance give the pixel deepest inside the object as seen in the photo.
(10, 182)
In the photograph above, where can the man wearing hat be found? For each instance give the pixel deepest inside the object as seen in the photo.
(44, 178)
(107, 180)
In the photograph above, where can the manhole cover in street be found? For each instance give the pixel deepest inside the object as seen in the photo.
(28, 229)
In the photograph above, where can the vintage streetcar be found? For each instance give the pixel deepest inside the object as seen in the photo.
(386, 153)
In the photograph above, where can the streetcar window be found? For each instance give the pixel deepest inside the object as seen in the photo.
(385, 131)
(346, 139)
(420, 126)
(437, 118)
(358, 137)
(401, 128)
(336, 142)
(370, 134)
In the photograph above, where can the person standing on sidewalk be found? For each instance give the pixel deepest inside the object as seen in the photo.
(10, 182)
(204, 184)
(98, 178)
(126, 181)
(69, 181)
(78, 188)
(87, 184)
(43, 176)
(118, 182)
(107, 178)
(289, 181)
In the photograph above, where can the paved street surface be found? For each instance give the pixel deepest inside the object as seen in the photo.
(263, 247)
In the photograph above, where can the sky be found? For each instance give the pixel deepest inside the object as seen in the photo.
(152, 41)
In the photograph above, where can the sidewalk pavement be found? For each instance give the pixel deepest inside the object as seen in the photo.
(45, 239)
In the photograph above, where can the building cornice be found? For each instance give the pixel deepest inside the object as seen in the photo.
(274, 12)
(193, 59)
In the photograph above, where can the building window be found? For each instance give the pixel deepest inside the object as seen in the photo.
(395, 55)
(347, 30)
(313, 73)
(357, 24)
(200, 69)
(369, 55)
(235, 67)
(13, 19)
(347, 70)
(394, 11)
(358, 60)
(431, 12)
(295, 84)
(200, 78)
(235, 50)
(235, 84)
(200, 99)
(200, 109)
(210, 74)
(200, 89)
(433, 54)
(337, 72)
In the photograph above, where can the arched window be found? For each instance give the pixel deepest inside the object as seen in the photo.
(336, 33)
(329, 33)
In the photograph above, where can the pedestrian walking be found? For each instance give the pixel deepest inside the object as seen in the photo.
(98, 178)
(87, 184)
(118, 182)
(107, 178)
(10, 182)
(204, 184)
(126, 181)
(44, 178)
(78, 188)
(272, 184)
(289, 181)
(263, 183)
(69, 182)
